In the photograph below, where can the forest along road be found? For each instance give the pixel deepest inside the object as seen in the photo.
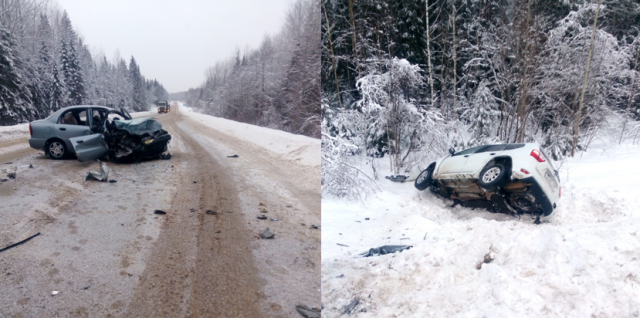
(105, 252)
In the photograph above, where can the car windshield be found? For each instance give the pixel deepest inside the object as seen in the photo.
(488, 148)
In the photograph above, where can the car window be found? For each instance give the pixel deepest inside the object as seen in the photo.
(83, 118)
(513, 146)
(68, 118)
(493, 148)
(469, 151)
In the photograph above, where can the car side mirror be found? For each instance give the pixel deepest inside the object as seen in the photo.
(452, 151)
(116, 118)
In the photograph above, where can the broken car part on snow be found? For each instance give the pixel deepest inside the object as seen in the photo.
(19, 243)
(386, 249)
(101, 175)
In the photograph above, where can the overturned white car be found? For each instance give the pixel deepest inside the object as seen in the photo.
(516, 177)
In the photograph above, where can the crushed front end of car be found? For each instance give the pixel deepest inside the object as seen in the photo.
(131, 140)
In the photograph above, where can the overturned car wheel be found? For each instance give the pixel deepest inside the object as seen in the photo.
(424, 179)
(492, 177)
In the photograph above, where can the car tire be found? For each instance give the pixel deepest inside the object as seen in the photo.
(56, 149)
(492, 177)
(424, 179)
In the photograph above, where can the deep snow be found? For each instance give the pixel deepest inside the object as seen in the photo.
(584, 263)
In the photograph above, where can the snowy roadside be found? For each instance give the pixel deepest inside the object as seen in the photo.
(584, 262)
(301, 149)
(10, 133)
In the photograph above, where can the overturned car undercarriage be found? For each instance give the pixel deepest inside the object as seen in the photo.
(121, 141)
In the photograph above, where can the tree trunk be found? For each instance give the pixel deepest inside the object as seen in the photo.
(453, 47)
(333, 55)
(576, 125)
(631, 93)
(429, 53)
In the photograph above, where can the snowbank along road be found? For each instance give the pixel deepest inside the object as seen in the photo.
(106, 253)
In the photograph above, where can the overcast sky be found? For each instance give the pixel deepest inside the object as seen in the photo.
(174, 41)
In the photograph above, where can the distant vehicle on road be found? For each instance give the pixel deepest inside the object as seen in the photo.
(53, 133)
(163, 107)
(518, 177)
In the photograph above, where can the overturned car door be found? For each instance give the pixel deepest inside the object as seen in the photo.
(89, 147)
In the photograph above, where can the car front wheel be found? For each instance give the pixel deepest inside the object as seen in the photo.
(424, 179)
(56, 149)
(492, 177)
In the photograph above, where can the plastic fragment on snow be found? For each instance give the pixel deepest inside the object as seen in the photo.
(386, 249)
(350, 307)
(112, 181)
(314, 226)
(211, 212)
(233, 156)
(397, 178)
(53, 293)
(307, 312)
(262, 217)
(160, 212)
(275, 219)
(266, 234)
(102, 175)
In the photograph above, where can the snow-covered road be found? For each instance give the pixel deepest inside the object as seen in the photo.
(584, 263)
(107, 253)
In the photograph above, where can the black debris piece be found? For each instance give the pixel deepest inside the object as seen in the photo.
(398, 178)
(350, 307)
(229, 211)
(218, 231)
(4, 180)
(262, 217)
(313, 226)
(171, 166)
(19, 243)
(195, 181)
(192, 210)
(30, 165)
(366, 219)
(487, 258)
(165, 156)
(159, 212)
(212, 212)
(307, 312)
(266, 234)
(342, 245)
(386, 249)
(86, 287)
(8, 163)
(340, 276)
(233, 156)
(112, 181)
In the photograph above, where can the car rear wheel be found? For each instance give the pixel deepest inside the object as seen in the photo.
(424, 179)
(56, 149)
(492, 177)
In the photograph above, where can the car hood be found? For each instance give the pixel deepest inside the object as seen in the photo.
(138, 126)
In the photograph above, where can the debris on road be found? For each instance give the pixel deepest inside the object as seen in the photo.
(342, 245)
(112, 181)
(192, 210)
(53, 293)
(233, 156)
(307, 312)
(397, 178)
(160, 212)
(275, 219)
(4, 180)
(349, 308)
(101, 175)
(8, 163)
(21, 242)
(86, 287)
(488, 258)
(211, 212)
(313, 226)
(30, 165)
(262, 217)
(366, 219)
(266, 234)
(195, 181)
(386, 249)
(11, 172)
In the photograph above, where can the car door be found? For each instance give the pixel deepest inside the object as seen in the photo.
(90, 147)
(67, 131)
(455, 164)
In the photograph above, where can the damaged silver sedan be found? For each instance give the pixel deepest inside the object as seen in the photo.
(93, 132)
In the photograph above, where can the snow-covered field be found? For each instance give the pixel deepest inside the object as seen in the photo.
(584, 263)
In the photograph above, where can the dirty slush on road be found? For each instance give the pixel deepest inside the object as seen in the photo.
(104, 252)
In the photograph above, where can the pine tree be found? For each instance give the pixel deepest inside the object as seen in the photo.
(14, 98)
(138, 96)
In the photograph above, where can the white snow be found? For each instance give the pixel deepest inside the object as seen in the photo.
(584, 263)
(8, 133)
(301, 149)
